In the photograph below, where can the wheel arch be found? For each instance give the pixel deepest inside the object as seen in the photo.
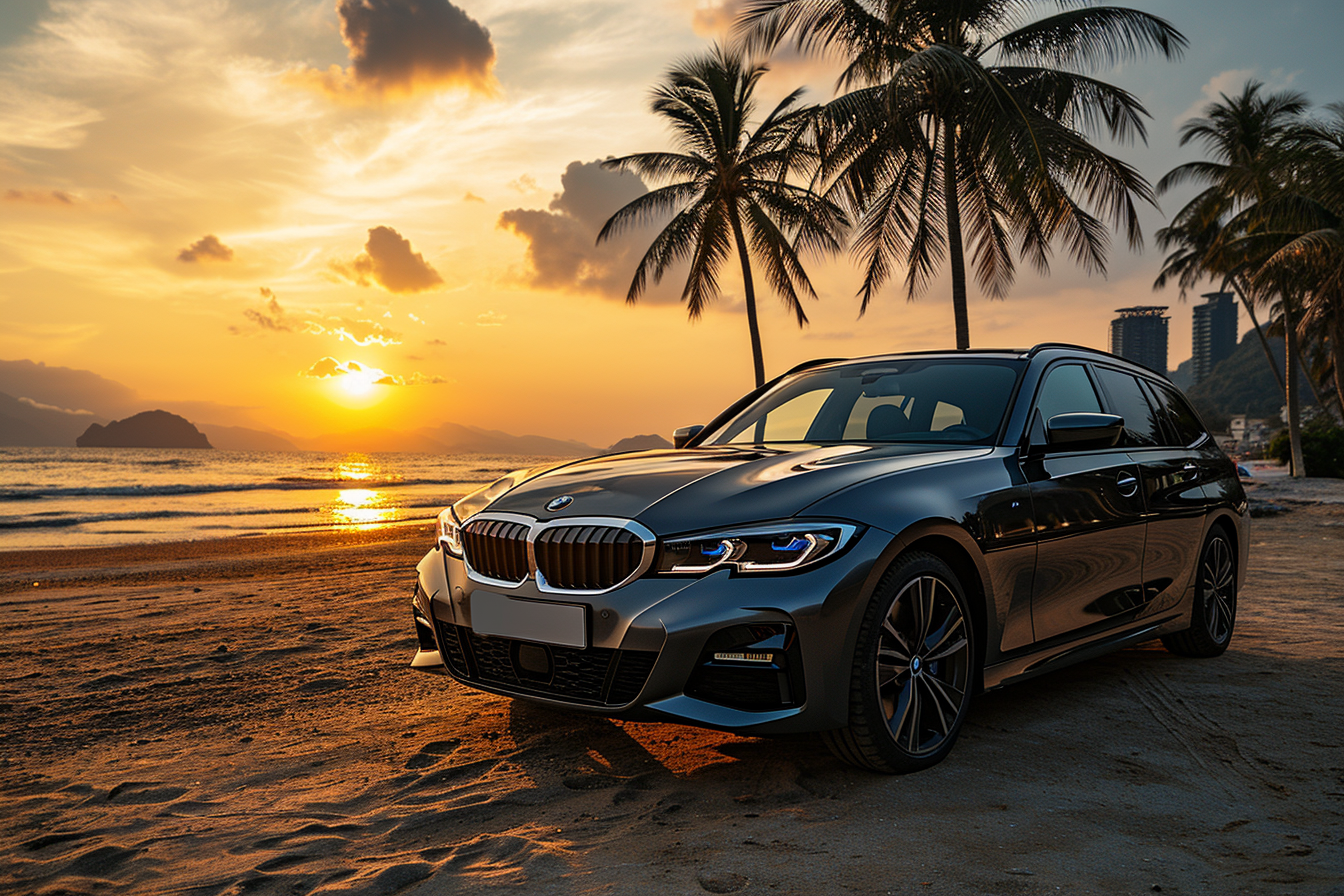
(954, 546)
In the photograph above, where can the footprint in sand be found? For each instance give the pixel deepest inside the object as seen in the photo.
(433, 752)
(323, 685)
(143, 793)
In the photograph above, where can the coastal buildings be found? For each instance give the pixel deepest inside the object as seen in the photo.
(1214, 332)
(1140, 334)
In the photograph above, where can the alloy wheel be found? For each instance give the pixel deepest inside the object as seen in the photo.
(923, 665)
(1218, 587)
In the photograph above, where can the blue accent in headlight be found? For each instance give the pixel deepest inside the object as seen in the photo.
(794, 546)
(718, 551)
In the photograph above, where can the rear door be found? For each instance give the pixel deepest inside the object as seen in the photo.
(1184, 480)
(1089, 514)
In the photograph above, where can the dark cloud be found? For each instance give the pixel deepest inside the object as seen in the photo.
(401, 47)
(388, 261)
(207, 248)
(562, 250)
(271, 316)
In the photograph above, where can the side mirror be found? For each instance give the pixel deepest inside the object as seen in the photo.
(1082, 431)
(683, 435)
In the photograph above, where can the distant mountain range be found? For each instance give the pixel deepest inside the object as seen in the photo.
(54, 406)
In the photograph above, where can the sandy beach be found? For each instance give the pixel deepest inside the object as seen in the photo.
(238, 716)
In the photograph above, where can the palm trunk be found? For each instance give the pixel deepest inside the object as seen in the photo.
(1298, 466)
(1264, 341)
(955, 256)
(1337, 360)
(749, 291)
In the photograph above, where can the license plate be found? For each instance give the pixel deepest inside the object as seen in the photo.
(529, 620)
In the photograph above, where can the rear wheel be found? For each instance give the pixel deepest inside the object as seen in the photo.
(913, 668)
(1215, 611)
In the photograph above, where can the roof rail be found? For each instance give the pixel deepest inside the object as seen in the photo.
(815, 362)
(1096, 351)
(1042, 346)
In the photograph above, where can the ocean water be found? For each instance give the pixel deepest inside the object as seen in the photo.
(90, 497)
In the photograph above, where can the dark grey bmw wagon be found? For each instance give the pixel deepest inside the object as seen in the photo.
(855, 548)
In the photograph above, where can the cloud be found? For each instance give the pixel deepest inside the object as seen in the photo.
(270, 317)
(1230, 83)
(471, 197)
(207, 248)
(362, 333)
(420, 379)
(491, 319)
(715, 17)
(273, 318)
(40, 197)
(561, 243)
(402, 47)
(328, 367)
(388, 261)
(51, 407)
(61, 199)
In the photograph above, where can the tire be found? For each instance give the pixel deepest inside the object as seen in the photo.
(1215, 611)
(913, 670)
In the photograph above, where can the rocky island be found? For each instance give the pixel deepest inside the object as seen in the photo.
(149, 429)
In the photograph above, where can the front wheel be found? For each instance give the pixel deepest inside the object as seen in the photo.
(913, 669)
(1215, 610)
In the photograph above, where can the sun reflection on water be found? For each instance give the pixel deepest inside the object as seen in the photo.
(363, 507)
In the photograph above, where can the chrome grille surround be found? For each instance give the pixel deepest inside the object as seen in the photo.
(599, 533)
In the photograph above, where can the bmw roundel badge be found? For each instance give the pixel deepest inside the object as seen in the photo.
(559, 503)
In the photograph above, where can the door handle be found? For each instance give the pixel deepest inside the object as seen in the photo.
(1128, 485)
(1191, 472)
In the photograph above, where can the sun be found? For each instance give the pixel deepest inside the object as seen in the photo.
(359, 383)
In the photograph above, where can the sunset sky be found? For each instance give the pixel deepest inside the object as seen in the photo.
(272, 205)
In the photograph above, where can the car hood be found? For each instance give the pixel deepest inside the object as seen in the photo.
(698, 488)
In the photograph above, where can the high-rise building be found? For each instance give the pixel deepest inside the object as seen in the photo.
(1140, 334)
(1214, 334)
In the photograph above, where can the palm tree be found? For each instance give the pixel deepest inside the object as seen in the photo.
(966, 121)
(1190, 239)
(1308, 217)
(728, 187)
(1247, 138)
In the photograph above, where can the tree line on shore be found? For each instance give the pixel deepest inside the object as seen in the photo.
(962, 134)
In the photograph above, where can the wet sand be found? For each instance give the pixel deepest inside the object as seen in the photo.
(238, 717)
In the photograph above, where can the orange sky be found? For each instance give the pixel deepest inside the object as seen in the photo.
(215, 201)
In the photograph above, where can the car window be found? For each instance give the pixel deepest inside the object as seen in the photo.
(1184, 424)
(1067, 390)
(788, 422)
(1128, 400)
(934, 400)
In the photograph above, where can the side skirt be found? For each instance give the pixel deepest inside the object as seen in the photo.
(1041, 661)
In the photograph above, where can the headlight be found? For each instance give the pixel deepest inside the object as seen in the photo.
(776, 547)
(450, 532)
(480, 499)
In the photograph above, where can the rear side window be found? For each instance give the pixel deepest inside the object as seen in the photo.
(1181, 418)
(1067, 390)
(1128, 400)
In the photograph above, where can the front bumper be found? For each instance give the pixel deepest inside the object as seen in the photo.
(647, 640)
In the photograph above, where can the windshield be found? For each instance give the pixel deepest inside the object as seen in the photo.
(961, 401)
